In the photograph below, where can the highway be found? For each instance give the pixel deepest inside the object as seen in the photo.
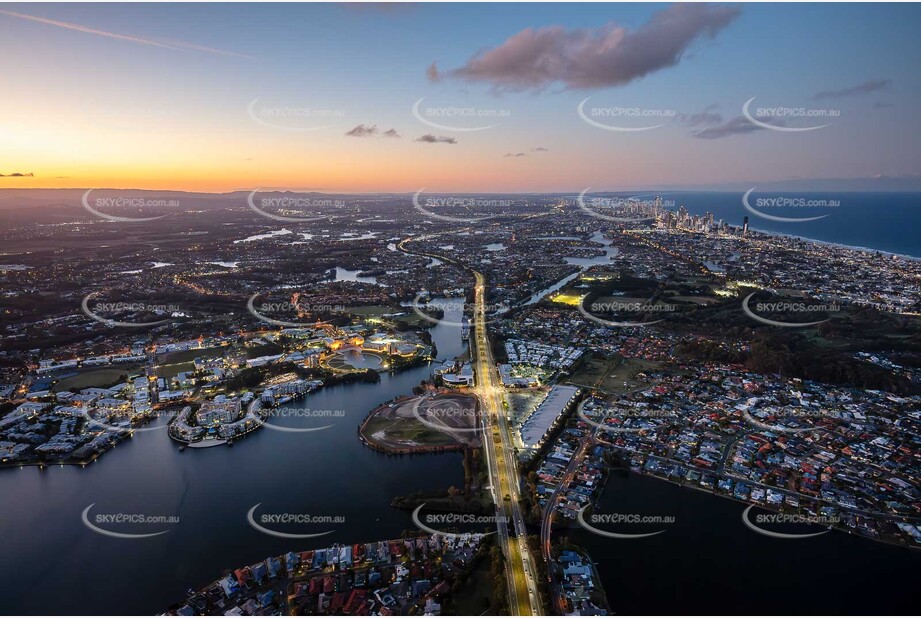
(503, 468)
(521, 573)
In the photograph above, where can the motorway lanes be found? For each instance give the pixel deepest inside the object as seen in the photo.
(521, 574)
(503, 470)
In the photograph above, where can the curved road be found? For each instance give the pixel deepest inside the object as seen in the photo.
(547, 517)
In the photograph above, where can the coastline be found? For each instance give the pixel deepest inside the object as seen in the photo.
(838, 245)
(696, 210)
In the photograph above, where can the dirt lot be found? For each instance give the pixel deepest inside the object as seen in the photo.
(522, 402)
(424, 422)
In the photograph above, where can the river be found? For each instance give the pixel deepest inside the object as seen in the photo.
(62, 567)
(708, 562)
(610, 252)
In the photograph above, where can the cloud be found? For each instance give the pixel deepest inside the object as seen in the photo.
(166, 44)
(874, 85)
(370, 130)
(519, 154)
(739, 125)
(709, 116)
(541, 149)
(17, 175)
(432, 73)
(603, 57)
(428, 138)
(363, 130)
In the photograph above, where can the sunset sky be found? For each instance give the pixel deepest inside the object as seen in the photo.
(174, 96)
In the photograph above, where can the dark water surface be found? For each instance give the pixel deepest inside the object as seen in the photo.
(708, 562)
(54, 564)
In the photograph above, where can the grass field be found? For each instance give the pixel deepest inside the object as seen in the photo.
(170, 371)
(267, 349)
(413, 319)
(409, 316)
(404, 432)
(373, 311)
(100, 378)
(694, 300)
(613, 375)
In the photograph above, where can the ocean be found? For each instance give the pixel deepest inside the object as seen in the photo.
(887, 222)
